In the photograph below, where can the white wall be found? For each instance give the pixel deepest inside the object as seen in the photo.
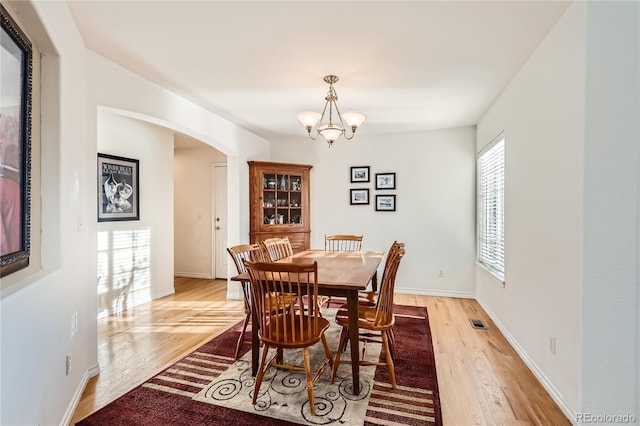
(541, 113)
(562, 238)
(610, 311)
(435, 204)
(193, 217)
(135, 258)
(36, 316)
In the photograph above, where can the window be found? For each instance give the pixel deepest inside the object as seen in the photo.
(491, 207)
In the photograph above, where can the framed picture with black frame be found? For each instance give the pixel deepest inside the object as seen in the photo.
(359, 196)
(15, 149)
(385, 181)
(360, 174)
(118, 188)
(385, 203)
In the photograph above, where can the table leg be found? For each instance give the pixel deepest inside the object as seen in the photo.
(255, 343)
(352, 307)
(374, 281)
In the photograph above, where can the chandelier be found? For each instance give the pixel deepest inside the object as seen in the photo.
(329, 130)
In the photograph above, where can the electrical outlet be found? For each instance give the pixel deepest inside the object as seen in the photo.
(552, 345)
(68, 364)
(440, 273)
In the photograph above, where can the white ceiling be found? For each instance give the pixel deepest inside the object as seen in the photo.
(409, 66)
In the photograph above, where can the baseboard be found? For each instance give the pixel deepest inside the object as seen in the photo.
(160, 295)
(542, 378)
(422, 292)
(201, 276)
(92, 371)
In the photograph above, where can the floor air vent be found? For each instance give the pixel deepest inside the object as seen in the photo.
(476, 323)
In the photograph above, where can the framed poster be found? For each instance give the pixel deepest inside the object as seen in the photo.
(15, 146)
(385, 203)
(359, 196)
(360, 174)
(385, 181)
(118, 188)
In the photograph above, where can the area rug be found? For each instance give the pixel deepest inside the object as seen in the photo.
(209, 387)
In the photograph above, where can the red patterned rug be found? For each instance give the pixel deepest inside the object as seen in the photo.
(208, 387)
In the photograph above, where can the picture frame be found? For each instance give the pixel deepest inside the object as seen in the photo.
(15, 146)
(385, 203)
(118, 188)
(359, 196)
(385, 181)
(360, 174)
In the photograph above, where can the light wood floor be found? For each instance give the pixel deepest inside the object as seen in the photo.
(482, 380)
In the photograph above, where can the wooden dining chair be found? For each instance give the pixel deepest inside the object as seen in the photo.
(375, 319)
(276, 248)
(343, 242)
(370, 297)
(240, 253)
(289, 329)
(340, 242)
(251, 253)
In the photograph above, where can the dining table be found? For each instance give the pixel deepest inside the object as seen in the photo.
(340, 274)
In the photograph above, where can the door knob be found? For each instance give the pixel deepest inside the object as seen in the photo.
(217, 228)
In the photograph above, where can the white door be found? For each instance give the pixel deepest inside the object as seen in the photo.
(220, 256)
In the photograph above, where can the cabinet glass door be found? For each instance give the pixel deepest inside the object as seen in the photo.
(281, 199)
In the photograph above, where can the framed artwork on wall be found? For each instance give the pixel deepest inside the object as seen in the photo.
(360, 174)
(118, 188)
(385, 203)
(15, 146)
(385, 181)
(359, 196)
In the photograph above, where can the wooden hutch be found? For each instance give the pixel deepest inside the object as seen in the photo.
(279, 202)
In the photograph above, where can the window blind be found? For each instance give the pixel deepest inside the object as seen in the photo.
(491, 209)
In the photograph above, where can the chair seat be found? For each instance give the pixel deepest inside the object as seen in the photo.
(366, 318)
(299, 334)
(283, 299)
(367, 297)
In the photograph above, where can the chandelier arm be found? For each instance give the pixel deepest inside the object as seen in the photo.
(319, 124)
(353, 133)
(339, 115)
(344, 132)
